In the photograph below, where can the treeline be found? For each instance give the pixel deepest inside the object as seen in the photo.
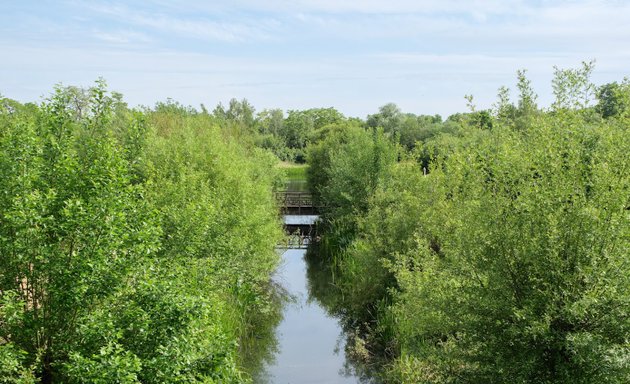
(495, 249)
(135, 245)
(287, 135)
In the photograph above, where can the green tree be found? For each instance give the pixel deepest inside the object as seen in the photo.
(300, 126)
(613, 99)
(572, 88)
(270, 122)
(506, 262)
(527, 96)
(211, 276)
(241, 112)
(134, 247)
(389, 117)
(72, 225)
(346, 168)
(522, 234)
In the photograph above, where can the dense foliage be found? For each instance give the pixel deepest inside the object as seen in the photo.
(134, 246)
(286, 137)
(506, 259)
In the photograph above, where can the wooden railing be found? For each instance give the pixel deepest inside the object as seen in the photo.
(295, 202)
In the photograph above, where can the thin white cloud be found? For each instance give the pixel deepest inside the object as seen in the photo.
(451, 23)
(122, 37)
(386, 7)
(575, 26)
(201, 27)
(353, 55)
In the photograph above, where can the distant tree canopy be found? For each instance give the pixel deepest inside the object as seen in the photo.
(613, 99)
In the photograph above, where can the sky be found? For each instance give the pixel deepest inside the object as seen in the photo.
(355, 56)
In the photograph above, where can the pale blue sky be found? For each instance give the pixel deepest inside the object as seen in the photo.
(351, 55)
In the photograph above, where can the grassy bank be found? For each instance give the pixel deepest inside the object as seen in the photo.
(293, 171)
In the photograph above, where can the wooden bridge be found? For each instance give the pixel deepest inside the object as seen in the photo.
(296, 203)
(300, 218)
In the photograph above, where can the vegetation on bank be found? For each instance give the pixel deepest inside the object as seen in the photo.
(135, 246)
(496, 251)
(293, 171)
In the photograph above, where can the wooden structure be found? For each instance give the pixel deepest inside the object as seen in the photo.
(300, 218)
(300, 230)
(296, 203)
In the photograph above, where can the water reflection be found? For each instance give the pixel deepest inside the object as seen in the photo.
(309, 339)
(259, 348)
(296, 185)
(323, 290)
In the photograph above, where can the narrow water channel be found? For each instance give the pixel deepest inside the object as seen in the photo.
(310, 343)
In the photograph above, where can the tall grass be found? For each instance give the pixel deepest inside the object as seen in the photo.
(293, 171)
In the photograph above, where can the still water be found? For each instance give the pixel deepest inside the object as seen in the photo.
(296, 185)
(310, 343)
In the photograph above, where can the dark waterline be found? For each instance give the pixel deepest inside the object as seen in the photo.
(310, 343)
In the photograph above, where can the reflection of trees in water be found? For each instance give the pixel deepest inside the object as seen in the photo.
(299, 185)
(320, 282)
(298, 241)
(260, 345)
(359, 362)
